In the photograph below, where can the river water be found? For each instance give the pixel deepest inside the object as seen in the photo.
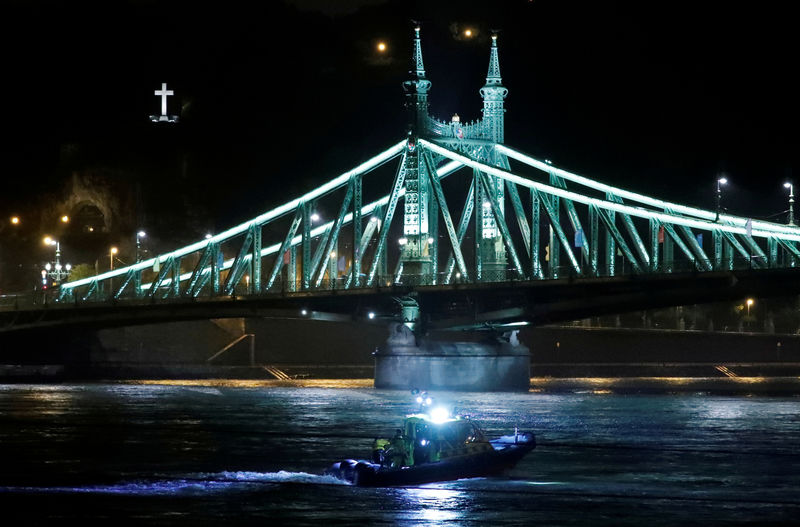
(253, 453)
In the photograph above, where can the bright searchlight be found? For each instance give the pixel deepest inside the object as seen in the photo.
(440, 414)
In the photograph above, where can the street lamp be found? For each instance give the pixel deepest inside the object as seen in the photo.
(791, 201)
(749, 303)
(720, 181)
(55, 270)
(111, 253)
(139, 236)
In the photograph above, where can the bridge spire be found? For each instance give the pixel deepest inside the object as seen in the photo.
(418, 65)
(493, 254)
(493, 93)
(416, 89)
(415, 254)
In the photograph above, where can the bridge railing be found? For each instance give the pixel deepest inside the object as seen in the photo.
(283, 286)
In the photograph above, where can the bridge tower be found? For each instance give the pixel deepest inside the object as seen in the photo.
(476, 140)
(493, 252)
(416, 243)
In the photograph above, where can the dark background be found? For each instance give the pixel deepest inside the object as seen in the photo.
(277, 97)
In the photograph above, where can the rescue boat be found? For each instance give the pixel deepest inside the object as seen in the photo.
(434, 446)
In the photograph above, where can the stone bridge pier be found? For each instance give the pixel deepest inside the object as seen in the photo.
(489, 361)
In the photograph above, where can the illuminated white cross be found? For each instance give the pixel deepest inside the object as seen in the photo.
(164, 93)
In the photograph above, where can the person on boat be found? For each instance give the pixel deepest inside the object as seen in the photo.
(379, 447)
(397, 450)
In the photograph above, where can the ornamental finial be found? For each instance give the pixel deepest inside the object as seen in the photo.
(493, 76)
(418, 68)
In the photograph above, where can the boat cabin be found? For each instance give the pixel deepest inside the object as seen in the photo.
(428, 440)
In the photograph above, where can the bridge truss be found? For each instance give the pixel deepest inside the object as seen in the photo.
(560, 224)
(455, 180)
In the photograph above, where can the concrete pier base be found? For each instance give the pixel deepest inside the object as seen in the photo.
(499, 363)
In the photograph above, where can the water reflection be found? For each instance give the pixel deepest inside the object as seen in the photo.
(261, 383)
(435, 506)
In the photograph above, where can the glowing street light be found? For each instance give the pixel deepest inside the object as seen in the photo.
(381, 47)
(791, 201)
(749, 303)
(111, 253)
(720, 181)
(314, 217)
(15, 220)
(468, 33)
(139, 236)
(64, 219)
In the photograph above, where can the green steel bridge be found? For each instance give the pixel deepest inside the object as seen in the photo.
(488, 235)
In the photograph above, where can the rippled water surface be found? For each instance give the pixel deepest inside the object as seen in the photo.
(237, 453)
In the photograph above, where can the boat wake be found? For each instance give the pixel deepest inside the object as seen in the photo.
(189, 485)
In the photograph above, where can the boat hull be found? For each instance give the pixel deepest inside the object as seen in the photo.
(505, 454)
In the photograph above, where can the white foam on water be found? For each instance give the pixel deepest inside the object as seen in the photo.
(190, 485)
(281, 476)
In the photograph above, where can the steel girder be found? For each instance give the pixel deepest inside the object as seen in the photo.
(333, 238)
(762, 244)
(287, 241)
(557, 236)
(241, 262)
(394, 197)
(455, 242)
(499, 220)
(463, 223)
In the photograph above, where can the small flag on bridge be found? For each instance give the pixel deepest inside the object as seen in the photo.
(287, 257)
(749, 227)
(661, 234)
(579, 238)
(699, 238)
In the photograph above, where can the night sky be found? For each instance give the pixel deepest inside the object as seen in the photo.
(276, 97)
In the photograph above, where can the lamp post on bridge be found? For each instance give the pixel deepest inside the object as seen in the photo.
(720, 181)
(790, 186)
